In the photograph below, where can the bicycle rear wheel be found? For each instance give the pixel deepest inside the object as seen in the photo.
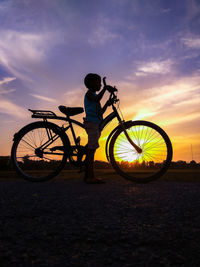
(39, 151)
(156, 154)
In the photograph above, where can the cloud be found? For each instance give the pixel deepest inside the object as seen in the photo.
(177, 92)
(21, 45)
(101, 36)
(7, 107)
(192, 101)
(74, 97)
(174, 102)
(23, 52)
(103, 31)
(145, 113)
(186, 118)
(4, 92)
(154, 67)
(44, 98)
(7, 80)
(191, 42)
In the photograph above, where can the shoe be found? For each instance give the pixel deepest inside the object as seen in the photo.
(94, 181)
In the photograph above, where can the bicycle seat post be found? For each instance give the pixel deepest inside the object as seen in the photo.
(72, 129)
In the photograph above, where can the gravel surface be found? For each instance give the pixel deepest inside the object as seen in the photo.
(69, 223)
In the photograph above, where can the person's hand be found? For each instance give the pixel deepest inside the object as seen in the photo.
(110, 102)
(111, 89)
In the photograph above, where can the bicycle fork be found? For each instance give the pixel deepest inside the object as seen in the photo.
(137, 148)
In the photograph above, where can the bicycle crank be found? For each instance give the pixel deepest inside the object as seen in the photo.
(39, 152)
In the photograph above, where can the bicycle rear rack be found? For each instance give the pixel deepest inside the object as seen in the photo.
(43, 114)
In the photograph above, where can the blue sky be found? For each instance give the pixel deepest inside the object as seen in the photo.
(150, 49)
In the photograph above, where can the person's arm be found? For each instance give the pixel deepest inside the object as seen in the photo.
(96, 98)
(107, 104)
(104, 107)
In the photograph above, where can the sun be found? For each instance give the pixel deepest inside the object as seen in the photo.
(152, 145)
(126, 152)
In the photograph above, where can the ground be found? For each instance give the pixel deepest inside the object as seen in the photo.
(65, 222)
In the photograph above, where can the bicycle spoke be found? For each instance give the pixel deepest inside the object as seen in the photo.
(33, 155)
(28, 144)
(30, 156)
(140, 166)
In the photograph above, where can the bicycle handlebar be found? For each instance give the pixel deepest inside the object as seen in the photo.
(112, 94)
(112, 89)
(104, 81)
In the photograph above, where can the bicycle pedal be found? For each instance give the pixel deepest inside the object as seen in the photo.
(61, 148)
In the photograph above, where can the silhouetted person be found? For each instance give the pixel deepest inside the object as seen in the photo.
(94, 115)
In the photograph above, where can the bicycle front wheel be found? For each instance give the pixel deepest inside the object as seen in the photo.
(39, 151)
(156, 154)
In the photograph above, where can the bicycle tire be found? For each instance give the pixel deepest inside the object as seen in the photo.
(155, 144)
(27, 163)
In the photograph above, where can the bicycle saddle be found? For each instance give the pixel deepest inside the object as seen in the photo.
(71, 111)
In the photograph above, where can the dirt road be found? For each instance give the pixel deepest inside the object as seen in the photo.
(69, 223)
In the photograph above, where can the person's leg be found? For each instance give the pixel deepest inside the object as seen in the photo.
(93, 137)
(89, 164)
(89, 172)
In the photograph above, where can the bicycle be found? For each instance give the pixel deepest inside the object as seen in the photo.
(139, 151)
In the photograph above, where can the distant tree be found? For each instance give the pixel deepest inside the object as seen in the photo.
(136, 164)
(151, 164)
(143, 164)
(5, 163)
(193, 164)
(124, 164)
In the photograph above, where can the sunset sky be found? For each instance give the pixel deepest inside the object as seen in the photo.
(149, 49)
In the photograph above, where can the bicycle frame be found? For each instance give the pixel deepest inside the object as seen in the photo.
(45, 115)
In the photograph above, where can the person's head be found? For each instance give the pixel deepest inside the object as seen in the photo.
(93, 82)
